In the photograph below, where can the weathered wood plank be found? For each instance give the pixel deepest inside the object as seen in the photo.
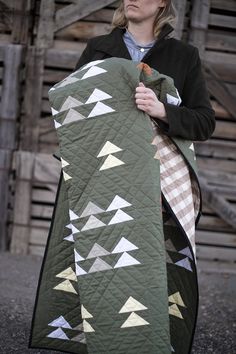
(219, 40)
(32, 99)
(47, 169)
(216, 148)
(222, 21)
(216, 238)
(61, 59)
(215, 253)
(75, 12)
(45, 32)
(20, 27)
(11, 75)
(83, 30)
(229, 5)
(219, 178)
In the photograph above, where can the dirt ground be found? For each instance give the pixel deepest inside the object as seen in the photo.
(216, 327)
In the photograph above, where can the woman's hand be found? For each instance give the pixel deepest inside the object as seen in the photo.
(148, 102)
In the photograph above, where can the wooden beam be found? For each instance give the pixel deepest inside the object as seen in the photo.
(218, 203)
(219, 90)
(180, 6)
(72, 13)
(45, 33)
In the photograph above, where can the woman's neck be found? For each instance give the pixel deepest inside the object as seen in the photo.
(142, 33)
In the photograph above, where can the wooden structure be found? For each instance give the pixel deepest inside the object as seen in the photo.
(41, 42)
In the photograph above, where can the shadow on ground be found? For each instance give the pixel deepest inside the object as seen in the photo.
(216, 326)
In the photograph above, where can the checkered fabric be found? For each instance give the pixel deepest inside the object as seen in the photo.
(178, 186)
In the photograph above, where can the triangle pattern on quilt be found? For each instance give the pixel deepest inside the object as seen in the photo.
(169, 246)
(186, 251)
(85, 313)
(97, 96)
(73, 216)
(93, 71)
(132, 305)
(110, 162)
(119, 217)
(91, 209)
(124, 245)
(118, 203)
(69, 80)
(126, 260)
(58, 334)
(78, 257)
(185, 263)
(87, 326)
(64, 163)
(99, 265)
(72, 116)
(79, 270)
(56, 124)
(69, 238)
(54, 111)
(79, 338)
(66, 176)
(97, 251)
(66, 286)
(91, 63)
(93, 223)
(176, 299)
(68, 273)
(99, 109)
(108, 149)
(60, 322)
(70, 102)
(134, 320)
(174, 310)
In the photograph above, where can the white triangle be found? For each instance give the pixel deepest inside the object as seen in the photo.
(134, 320)
(69, 238)
(92, 223)
(97, 251)
(64, 163)
(78, 257)
(74, 230)
(120, 216)
(93, 71)
(126, 260)
(97, 96)
(186, 251)
(68, 273)
(59, 322)
(65, 286)
(73, 216)
(87, 327)
(72, 116)
(69, 80)
(124, 246)
(176, 299)
(69, 226)
(91, 209)
(70, 102)
(54, 112)
(56, 124)
(108, 148)
(79, 270)
(191, 147)
(66, 176)
(58, 333)
(132, 305)
(118, 203)
(85, 313)
(91, 63)
(100, 109)
(110, 162)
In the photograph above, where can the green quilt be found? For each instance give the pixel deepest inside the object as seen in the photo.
(113, 278)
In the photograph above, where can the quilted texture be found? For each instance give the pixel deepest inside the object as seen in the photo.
(119, 274)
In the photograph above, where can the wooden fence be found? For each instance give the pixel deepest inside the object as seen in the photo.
(43, 43)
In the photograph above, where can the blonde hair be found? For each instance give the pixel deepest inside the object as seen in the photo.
(167, 14)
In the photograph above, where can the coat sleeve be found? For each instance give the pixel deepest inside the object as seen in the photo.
(194, 119)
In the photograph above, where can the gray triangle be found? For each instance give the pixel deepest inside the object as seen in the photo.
(185, 263)
(72, 116)
(99, 265)
(91, 209)
(168, 258)
(79, 327)
(186, 251)
(79, 338)
(169, 245)
(97, 251)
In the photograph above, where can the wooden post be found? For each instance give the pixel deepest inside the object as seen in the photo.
(24, 165)
(180, 6)
(9, 110)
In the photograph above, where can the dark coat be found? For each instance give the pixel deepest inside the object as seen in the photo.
(194, 119)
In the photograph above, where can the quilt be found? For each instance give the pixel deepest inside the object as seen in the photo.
(119, 272)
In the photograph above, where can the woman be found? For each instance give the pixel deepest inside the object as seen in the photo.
(142, 32)
(147, 300)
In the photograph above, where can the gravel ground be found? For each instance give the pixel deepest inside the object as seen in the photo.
(216, 327)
